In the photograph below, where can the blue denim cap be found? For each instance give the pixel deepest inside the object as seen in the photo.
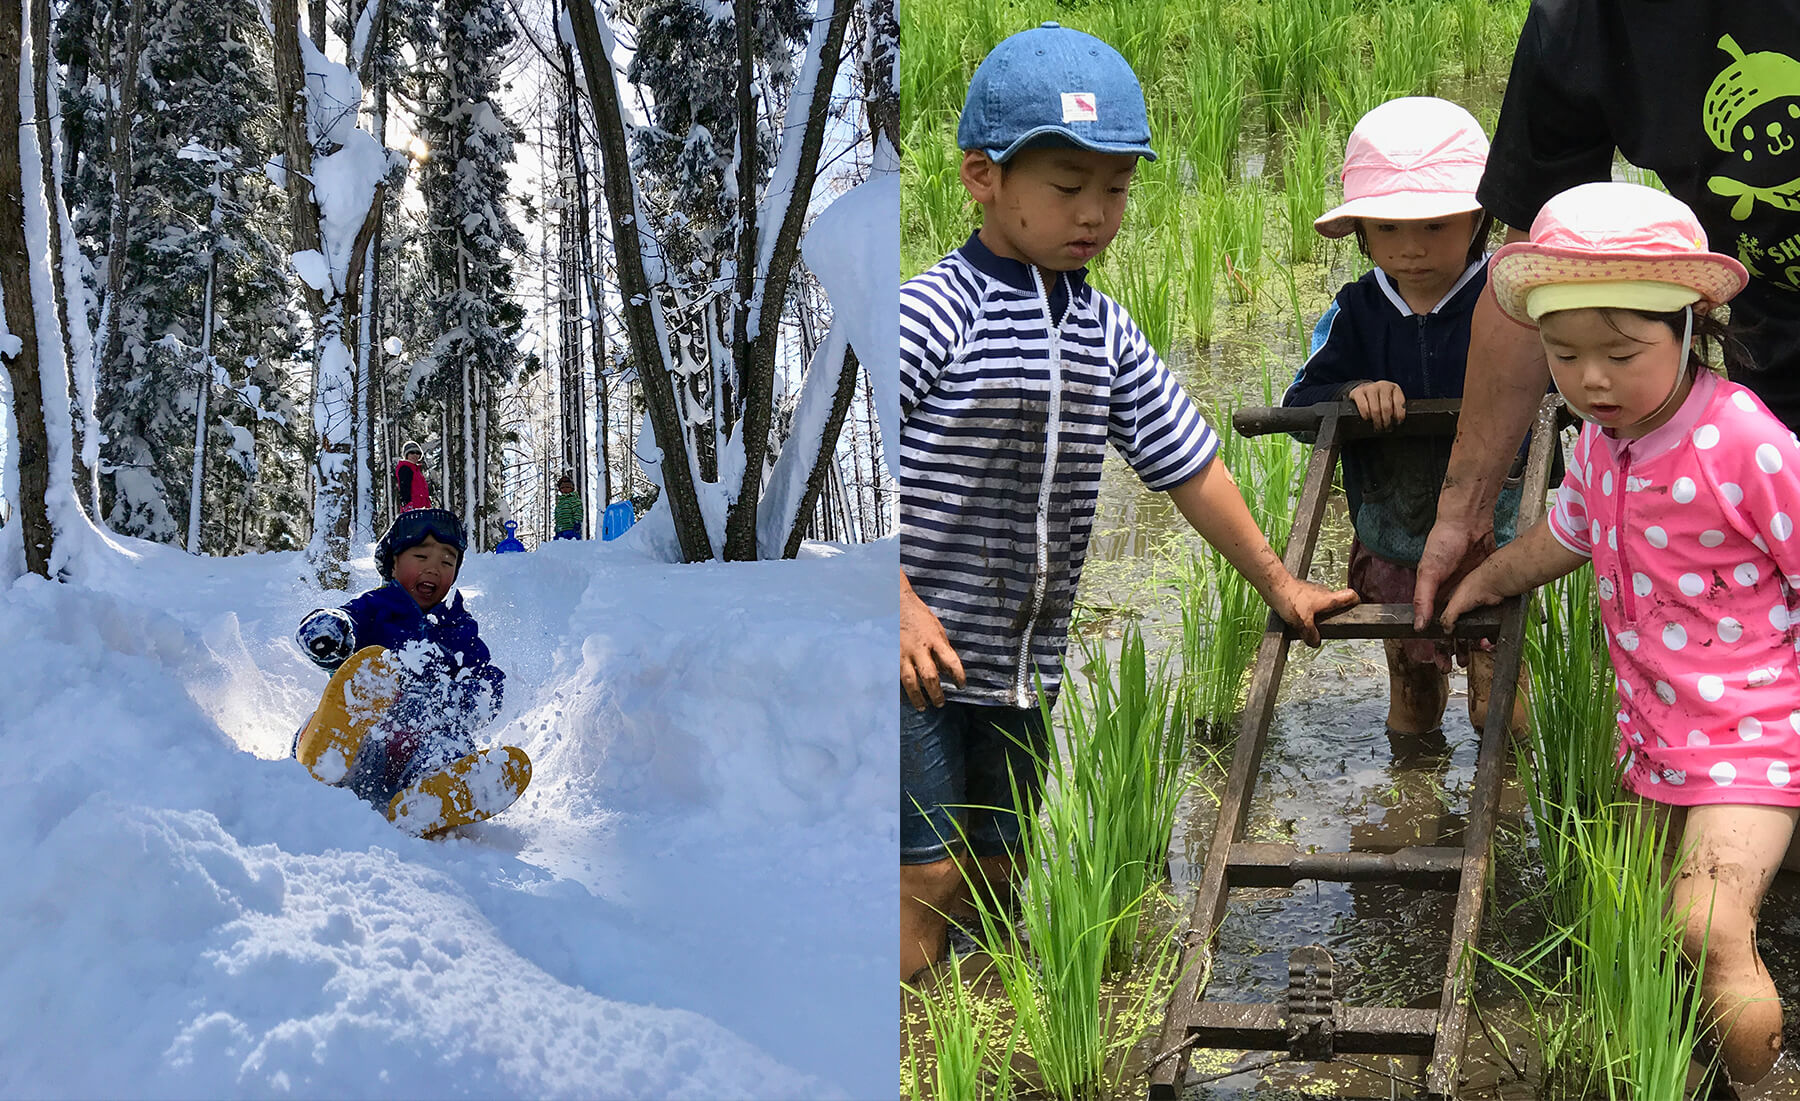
(1053, 82)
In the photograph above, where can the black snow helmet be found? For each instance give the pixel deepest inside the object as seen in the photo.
(411, 528)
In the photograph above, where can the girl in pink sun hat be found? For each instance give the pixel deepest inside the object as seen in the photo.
(1682, 494)
(1401, 333)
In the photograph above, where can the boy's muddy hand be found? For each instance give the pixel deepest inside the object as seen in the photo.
(1301, 603)
(924, 650)
(1382, 404)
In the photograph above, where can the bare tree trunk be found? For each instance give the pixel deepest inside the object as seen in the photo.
(290, 88)
(21, 310)
(880, 91)
(822, 466)
(873, 434)
(315, 23)
(762, 317)
(40, 63)
(40, 82)
(642, 318)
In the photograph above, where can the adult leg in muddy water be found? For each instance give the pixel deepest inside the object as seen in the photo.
(1481, 685)
(1729, 854)
(1417, 691)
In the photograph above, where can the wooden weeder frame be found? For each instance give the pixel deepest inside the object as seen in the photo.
(1310, 1024)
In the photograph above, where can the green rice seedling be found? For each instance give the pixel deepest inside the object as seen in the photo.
(1308, 168)
(1215, 110)
(1125, 761)
(1244, 221)
(1138, 29)
(1268, 58)
(1297, 329)
(938, 63)
(1293, 47)
(1472, 18)
(1222, 620)
(1054, 974)
(1571, 773)
(989, 24)
(1144, 285)
(967, 1062)
(1630, 974)
(1318, 39)
(1200, 285)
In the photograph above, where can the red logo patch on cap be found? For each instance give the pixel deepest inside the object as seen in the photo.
(1079, 107)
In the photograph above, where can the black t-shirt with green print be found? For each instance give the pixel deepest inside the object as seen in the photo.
(1706, 95)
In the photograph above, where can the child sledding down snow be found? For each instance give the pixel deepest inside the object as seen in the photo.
(413, 683)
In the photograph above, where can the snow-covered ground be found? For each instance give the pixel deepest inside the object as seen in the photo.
(695, 898)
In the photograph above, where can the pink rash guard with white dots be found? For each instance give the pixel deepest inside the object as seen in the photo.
(1691, 533)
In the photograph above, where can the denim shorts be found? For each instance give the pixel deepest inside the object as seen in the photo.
(954, 777)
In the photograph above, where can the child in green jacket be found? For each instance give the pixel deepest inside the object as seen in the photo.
(568, 509)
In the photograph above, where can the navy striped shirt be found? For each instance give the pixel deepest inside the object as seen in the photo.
(992, 546)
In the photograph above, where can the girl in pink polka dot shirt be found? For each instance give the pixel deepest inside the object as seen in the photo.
(1682, 493)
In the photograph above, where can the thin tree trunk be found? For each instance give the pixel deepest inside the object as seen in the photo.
(872, 432)
(643, 322)
(40, 82)
(822, 465)
(203, 386)
(107, 344)
(762, 320)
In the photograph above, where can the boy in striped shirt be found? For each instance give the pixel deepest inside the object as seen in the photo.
(1008, 355)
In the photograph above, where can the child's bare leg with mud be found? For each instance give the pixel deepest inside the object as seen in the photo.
(1729, 854)
(1481, 685)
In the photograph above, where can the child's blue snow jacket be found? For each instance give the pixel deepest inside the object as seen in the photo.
(388, 617)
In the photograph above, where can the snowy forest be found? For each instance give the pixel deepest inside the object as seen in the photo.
(253, 246)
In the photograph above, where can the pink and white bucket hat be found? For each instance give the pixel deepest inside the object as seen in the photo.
(1413, 157)
(1617, 245)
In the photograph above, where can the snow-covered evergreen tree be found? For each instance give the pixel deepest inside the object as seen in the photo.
(470, 245)
(202, 211)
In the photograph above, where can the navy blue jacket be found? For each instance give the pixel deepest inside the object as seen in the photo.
(1370, 334)
(388, 617)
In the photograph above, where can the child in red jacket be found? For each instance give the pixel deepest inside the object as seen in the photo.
(410, 489)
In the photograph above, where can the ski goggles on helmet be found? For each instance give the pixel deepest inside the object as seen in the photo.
(411, 527)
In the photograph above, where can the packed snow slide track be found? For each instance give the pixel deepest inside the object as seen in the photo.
(694, 897)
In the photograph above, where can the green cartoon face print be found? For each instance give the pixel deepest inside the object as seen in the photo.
(1752, 111)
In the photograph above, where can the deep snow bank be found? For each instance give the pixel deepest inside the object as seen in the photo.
(695, 898)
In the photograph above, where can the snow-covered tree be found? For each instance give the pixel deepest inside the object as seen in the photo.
(335, 176)
(197, 298)
(754, 248)
(45, 524)
(470, 244)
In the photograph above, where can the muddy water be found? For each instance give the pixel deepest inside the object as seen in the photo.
(1334, 780)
